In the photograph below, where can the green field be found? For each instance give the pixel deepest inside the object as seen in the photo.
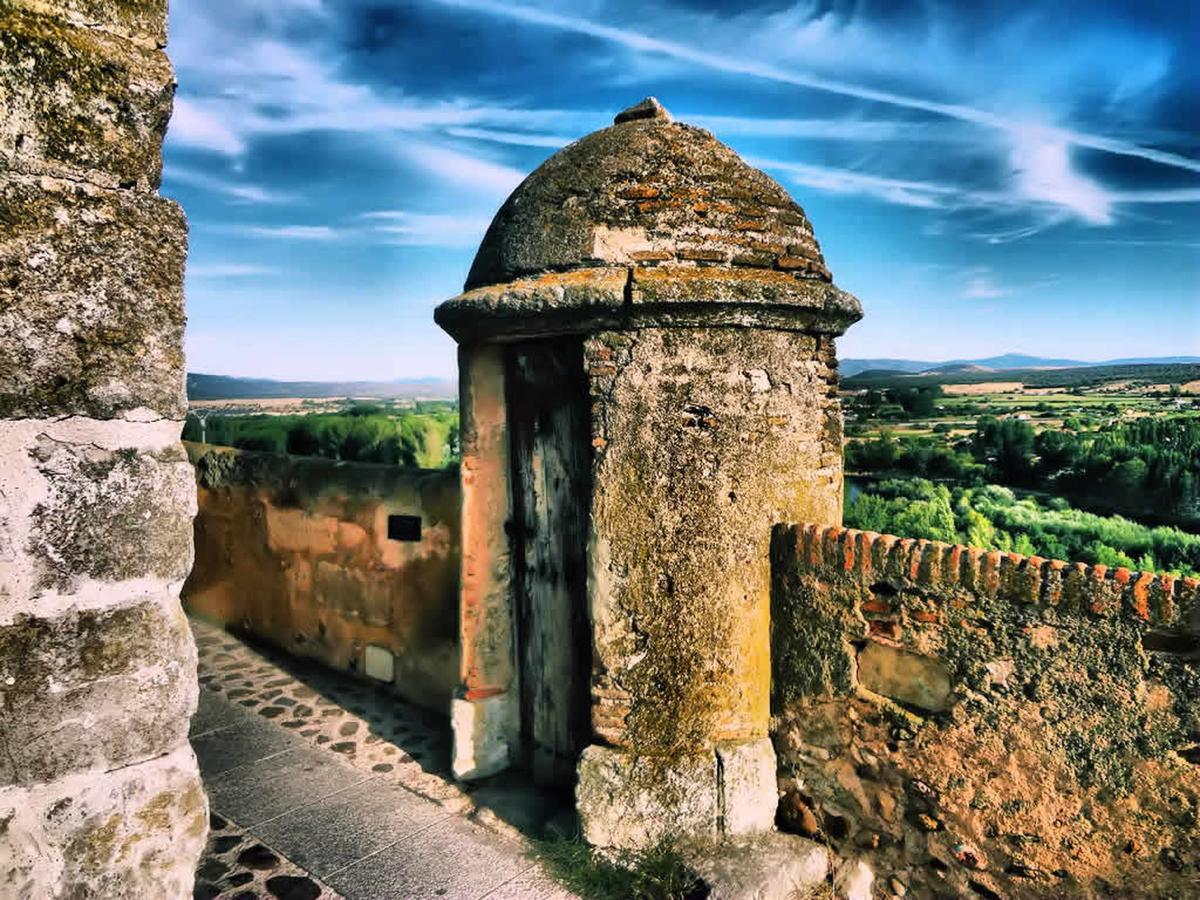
(1093, 470)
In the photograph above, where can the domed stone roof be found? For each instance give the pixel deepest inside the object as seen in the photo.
(647, 223)
(646, 190)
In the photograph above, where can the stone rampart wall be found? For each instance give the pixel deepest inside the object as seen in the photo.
(296, 551)
(987, 723)
(99, 791)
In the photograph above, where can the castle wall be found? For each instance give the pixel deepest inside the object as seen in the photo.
(980, 723)
(296, 551)
(99, 791)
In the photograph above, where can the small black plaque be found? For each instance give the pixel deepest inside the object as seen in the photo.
(404, 528)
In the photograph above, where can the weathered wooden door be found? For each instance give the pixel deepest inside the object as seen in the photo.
(551, 460)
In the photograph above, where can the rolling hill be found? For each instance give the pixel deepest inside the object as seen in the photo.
(1004, 362)
(224, 387)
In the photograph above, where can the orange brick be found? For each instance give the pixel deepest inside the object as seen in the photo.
(638, 192)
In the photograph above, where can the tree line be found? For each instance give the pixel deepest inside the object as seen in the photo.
(992, 518)
(1148, 465)
(426, 436)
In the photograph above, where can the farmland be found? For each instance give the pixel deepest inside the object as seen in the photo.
(1103, 466)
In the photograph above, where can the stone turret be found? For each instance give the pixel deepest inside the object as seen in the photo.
(648, 384)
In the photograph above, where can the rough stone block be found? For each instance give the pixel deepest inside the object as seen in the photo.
(143, 21)
(94, 688)
(749, 791)
(134, 832)
(91, 301)
(908, 677)
(379, 663)
(772, 867)
(112, 515)
(482, 729)
(95, 512)
(631, 803)
(79, 103)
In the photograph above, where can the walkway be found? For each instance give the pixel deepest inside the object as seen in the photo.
(324, 787)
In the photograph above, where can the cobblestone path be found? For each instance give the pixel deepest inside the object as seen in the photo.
(322, 786)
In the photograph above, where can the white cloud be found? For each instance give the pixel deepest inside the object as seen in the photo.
(1043, 173)
(247, 193)
(425, 230)
(1177, 195)
(264, 82)
(925, 194)
(461, 168)
(194, 125)
(294, 232)
(519, 138)
(847, 129)
(982, 286)
(754, 66)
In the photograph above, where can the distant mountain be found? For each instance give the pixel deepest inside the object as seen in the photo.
(225, 387)
(849, 367)
(958, 369)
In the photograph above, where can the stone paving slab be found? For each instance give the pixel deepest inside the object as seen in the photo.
(228, 748)
(213, 712)
(533, 884)
(273, 786)
(340, 790)
(451, 859)
(349, 825)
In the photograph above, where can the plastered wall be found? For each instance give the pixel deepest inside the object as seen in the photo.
(296, 551)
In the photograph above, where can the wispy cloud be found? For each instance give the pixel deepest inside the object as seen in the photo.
(1043, 173)
(268, 85)
(517, 138)
(195, 125)
(294, 232)
(982, 285)
(851, 129)
(228, 270)
(746, 65)
(424, 230)
(246, 193)
(462, 168)
(929, 195)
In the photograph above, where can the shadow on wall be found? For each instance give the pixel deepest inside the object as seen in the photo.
(353, 565)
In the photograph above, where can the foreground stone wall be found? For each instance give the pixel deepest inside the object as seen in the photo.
(987, 724)
(99, 791)
(296, 551)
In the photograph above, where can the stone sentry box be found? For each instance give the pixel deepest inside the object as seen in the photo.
(648, 382)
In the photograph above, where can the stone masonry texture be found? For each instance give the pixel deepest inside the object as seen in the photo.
(701, 436)
(100, 795)
(295, 551)
(983, 723)
(691, 289)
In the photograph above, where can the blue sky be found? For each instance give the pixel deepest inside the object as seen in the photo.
(986, 177)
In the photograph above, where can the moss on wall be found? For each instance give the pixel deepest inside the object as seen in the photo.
(701, 437)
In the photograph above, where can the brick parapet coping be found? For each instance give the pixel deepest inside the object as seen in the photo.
(1152, 598)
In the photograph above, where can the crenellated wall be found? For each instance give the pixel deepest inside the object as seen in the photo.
(99, 790)
(986, 723)
(296, 551)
